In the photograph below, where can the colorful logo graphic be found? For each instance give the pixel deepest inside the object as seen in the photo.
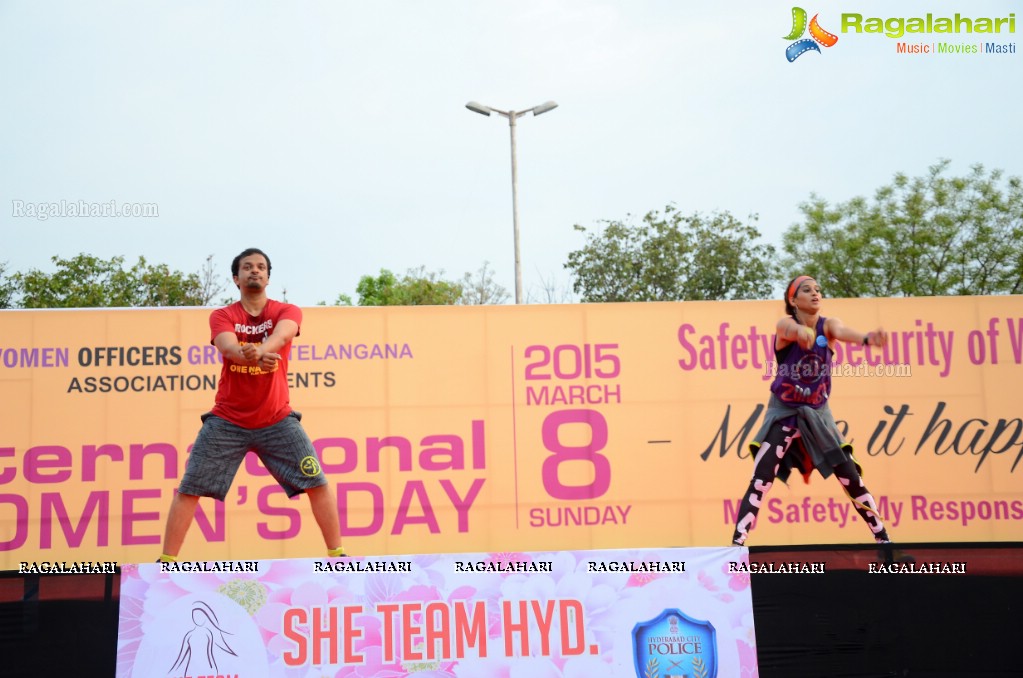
(810, 369)
(310, 467)
(817, 35)
(673, 645)
(201, 644)
(207, 635)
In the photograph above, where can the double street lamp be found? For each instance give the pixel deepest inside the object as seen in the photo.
(512, 116)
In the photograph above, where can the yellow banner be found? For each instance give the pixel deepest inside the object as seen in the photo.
(463, 429)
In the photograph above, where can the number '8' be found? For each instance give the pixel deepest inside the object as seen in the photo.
(563, 453)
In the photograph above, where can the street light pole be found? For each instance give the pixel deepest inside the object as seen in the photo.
(515, 211)
(512, 117)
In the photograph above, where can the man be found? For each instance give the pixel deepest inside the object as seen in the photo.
(252, 411)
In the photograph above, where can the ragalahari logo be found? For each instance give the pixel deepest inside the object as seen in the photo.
(817, 35)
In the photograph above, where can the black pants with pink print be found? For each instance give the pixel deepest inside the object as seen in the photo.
(765, 469)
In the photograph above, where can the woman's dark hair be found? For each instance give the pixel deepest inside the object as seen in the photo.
(247, 253)
(790, 310)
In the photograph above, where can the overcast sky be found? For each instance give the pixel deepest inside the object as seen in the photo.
(334, 135)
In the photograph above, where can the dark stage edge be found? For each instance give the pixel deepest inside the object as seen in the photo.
(844, 622)
(849, 622)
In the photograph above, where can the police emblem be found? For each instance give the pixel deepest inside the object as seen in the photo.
(674, 645)
(310, 467)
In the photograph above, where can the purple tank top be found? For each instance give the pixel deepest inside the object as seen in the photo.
(804, 377)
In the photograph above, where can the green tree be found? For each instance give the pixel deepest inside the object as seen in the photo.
(480, 288)
(672, 257)
(416, 288)
(85, 281)
(211, 284)
(8, 287)
(342, 300)
(920, 236)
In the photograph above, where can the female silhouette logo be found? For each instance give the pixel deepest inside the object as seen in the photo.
(199, 645)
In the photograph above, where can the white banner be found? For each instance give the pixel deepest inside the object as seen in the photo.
(649, 613)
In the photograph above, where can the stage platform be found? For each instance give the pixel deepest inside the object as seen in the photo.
(851, 622)
(828, 611)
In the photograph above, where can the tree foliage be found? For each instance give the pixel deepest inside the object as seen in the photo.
(480, 288)
(920, 236)
(86, 281)
(8, 287)
(673, 257)
(549, 290)
(211, 284)
(416, 288)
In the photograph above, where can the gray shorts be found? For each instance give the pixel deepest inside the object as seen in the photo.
(220, 447)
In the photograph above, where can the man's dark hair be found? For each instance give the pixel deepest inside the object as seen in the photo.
(246, 253)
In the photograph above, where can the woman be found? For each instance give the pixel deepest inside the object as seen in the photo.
(798, 430)
(199, 646)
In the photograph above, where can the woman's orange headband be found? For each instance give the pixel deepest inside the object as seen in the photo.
(795, 285)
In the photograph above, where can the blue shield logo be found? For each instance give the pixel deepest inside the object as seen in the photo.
(674, 645)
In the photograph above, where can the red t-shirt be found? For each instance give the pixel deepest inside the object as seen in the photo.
(248, 396)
